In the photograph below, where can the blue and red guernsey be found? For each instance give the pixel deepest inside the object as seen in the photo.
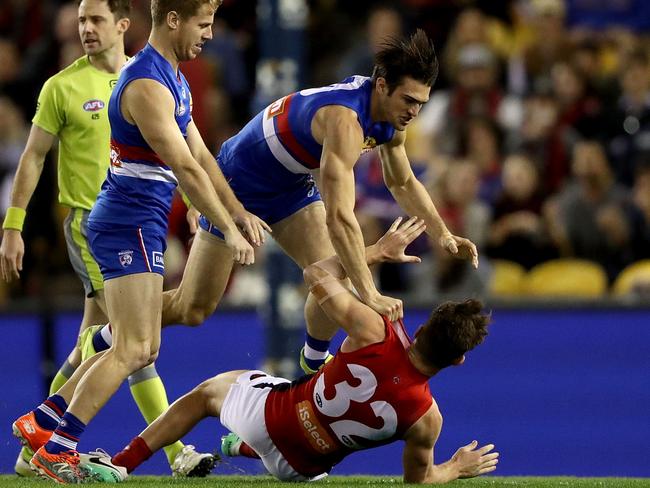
(282, 131)
(139, 187)
(359, 400)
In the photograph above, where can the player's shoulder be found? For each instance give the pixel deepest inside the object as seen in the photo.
(427, 428)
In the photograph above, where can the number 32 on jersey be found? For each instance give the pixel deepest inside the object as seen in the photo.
(337, 407)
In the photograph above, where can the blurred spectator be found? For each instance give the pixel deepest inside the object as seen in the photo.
(628, 123)
(518, 232)
(595, 217)
(577, 116)
(475, 93)
(384, 22)
(455, 195)
(550, 43)
(473, 26)
(481, 143)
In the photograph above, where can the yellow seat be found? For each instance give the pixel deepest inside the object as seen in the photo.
(633, 276)
(566, 278)
(507, 278)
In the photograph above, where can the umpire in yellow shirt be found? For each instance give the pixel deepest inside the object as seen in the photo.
(73, 107)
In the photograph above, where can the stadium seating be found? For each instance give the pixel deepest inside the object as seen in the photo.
(507, 279)
(566, 278)
(633, 279)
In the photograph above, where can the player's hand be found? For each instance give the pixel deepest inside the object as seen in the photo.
(386, 306)
(242, 251)
(192, 217)
(393, 243)
(459, 247)
(472, 462)
(251, 226)
(12, 251)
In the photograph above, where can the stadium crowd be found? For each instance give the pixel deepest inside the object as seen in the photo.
(535, 143)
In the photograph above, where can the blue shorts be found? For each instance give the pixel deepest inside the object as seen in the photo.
(122, 251)
(263, 197)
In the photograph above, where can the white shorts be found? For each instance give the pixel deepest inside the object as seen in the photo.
(243, 413)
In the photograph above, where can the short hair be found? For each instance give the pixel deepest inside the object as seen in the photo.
(399, 58)
(184, 8)
(119, 8)
(453, 329)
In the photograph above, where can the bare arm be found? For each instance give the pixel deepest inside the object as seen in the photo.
(411, 195)
(417, 458)
(28, 173)
(325, 280)
(151, 107)
(342, 143)
(253, 226)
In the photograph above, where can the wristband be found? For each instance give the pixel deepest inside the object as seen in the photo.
(14, 218)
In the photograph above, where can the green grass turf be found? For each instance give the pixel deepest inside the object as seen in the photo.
(346, 481)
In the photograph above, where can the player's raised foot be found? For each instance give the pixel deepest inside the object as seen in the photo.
(99, 468)
(62, 467)
(31, 435)
(230, 444)
(22, 467)
(306, 368)
(86, 341)
(191, 464)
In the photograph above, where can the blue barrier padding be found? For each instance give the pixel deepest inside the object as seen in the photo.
(560, 392)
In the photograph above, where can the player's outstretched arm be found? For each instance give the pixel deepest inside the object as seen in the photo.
(28, 173)
(414, 199)
(468, 462)
(151, 107)
(251, 225)
(342, 144)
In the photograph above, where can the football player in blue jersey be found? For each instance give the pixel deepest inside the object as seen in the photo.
(307, 144)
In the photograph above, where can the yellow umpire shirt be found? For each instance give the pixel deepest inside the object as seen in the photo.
(73, 105)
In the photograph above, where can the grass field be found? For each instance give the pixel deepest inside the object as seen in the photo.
(347, 481)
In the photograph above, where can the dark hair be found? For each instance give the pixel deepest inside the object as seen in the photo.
(415, 58)
(119, 8)
(184, 8)
(453, 329)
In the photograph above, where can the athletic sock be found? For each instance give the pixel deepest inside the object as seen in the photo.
(66, 436)
(246, 451)
(133, 455)
(103, 338)
(62, 375)
(315, 351)
(48, 414)
(149, 393)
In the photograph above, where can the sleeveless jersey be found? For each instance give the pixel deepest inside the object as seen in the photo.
(139, 186)
(281, 133)
(359, 400)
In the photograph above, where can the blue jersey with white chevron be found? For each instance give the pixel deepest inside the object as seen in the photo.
(139, 187)
(281, 133)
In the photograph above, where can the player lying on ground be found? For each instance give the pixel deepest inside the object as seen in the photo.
(375, 390)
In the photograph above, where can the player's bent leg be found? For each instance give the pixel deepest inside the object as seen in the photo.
(203, 401)
(203, 284)
(305, 239)
(133, 303)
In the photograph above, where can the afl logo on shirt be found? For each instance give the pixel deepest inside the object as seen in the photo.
(93, 105)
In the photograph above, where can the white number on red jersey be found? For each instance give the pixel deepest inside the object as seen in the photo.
(340, 403)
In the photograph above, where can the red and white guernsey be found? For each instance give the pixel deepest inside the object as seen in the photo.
(359, 400)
